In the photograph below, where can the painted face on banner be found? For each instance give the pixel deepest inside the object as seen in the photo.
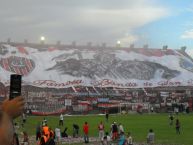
(18, 65)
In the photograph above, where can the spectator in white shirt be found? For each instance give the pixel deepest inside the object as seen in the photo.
(121, 129)
(61, 121)
(57, 134)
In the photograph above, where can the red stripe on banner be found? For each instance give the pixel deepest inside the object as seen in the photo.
(7, 64)
(28, 62)
(17, 70)
(4, 64)
(24, 71)
(26, 65)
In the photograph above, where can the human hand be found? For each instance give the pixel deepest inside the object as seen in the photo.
(14, 107)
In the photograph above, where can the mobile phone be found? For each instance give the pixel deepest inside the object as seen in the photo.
(15, 86)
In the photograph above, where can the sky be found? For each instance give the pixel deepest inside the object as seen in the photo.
(139, 22)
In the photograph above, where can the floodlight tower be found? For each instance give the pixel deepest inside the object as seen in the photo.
(183, 48)
(165, 47)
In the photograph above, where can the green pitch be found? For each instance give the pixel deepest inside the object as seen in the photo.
(138, 125)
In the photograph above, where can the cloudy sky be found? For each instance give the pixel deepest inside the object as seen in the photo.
(155, 22)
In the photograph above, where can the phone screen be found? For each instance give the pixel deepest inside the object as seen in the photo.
(15, 85)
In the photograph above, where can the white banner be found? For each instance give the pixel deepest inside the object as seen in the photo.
(126, 68)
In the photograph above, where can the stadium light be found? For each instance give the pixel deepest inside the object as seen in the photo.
(118, 43)
(42, 39)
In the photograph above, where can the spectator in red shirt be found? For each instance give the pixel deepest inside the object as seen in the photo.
(86, 130)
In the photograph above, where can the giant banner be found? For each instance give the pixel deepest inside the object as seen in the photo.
(122, 68)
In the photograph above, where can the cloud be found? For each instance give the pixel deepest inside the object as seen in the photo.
(187, 34)
(97, 21)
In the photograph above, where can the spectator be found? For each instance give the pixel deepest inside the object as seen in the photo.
(101, 128)
(106, 139)
(75, 130)
(15, 139)
(150, 137)
(86, 131)
(121, 129)
(177, 126)
(23, 119)
(51, 138)
(43, 140)
(61, 121)
(51, 132)
(171, 118)
(46, 130)
(107, 116)
(57, 134)
(64, 133)
(16, 132)
(44, 122)
(152, 109)
(129, 139)
(16, 128)
(25, 139)
(122, 139)
(38, 132)
(114, 131)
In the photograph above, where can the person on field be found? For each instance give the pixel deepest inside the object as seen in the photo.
(75, 130)
(152, 109)
(25, 139)
(106, 139)
(15, 139)
(114, 131)
(43, 140)
(44, 122)
(101, 128)
(46, 130)
(51, 132)
(121, 129)
(86, 131)
(64, 133)
(23, 119)
(57, 134)
(38, 132)
(51, 138)
(129, 139)
(61, 121)
(177, 126)
(122, 140)
(107, 116)
(151, 137)
(16, 133)
(171, 119)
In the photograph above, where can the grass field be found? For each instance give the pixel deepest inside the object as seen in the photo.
(137, 124)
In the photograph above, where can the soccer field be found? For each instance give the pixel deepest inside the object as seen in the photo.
(137, 124)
